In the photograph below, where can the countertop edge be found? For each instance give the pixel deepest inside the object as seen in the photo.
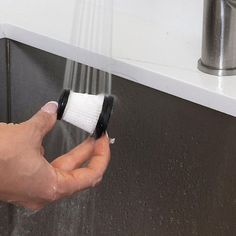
(195, 94)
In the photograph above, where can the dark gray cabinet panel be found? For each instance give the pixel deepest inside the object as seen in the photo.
(36, 78)
(3, 86)
(172, 170)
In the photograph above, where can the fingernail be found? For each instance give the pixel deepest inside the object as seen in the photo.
(50, 107)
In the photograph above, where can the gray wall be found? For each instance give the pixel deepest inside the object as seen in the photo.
(172, 170)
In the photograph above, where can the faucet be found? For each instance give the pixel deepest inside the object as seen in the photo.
(219, 38)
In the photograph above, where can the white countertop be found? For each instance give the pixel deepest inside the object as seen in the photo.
(155, 43)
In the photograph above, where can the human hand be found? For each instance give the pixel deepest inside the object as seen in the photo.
(27, 179)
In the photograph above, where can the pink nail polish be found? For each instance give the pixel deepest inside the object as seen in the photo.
(50, 107)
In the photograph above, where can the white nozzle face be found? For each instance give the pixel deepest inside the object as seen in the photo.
(83, 110)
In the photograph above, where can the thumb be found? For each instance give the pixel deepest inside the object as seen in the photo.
(44, 120)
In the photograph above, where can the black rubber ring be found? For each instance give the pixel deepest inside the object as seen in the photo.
(62, 102)
(104, 117)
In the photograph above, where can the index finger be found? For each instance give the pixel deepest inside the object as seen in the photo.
(77, 180)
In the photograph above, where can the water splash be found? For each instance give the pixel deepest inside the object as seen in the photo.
(92, 30)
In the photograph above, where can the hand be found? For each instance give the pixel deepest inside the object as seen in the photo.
(27, 179)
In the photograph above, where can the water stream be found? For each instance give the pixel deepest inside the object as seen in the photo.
(92, 30)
